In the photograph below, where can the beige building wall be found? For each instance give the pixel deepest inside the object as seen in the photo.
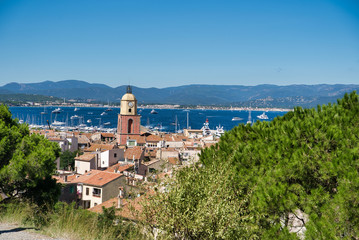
(108, 191)
(84, 166)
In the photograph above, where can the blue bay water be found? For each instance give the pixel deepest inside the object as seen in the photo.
(165, 117)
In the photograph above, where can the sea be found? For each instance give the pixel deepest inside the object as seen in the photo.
(167, 120)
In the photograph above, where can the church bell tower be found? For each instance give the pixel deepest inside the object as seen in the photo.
(128, 120)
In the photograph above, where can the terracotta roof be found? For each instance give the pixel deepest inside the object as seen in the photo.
(85, 157)
(108, 135)
(134, 152)
(82, 139)
(139, 139)
(98, 147)
(82, 178)
(102, 178)
(97, 178)
(130, 209)
(173, 160)
(120, 167)
(58, 179)
(169, 150)
(153, 138)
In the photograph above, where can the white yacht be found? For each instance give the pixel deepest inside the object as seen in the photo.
(219, 131)
(57, 123)
(57, 110)
(237, 119)
(205, 129)
(262, 116)
(153, 111)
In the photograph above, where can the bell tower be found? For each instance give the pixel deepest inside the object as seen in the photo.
(128, 120)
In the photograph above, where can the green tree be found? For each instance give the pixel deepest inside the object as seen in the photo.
(26, 162)
(257, 178)
(67, 159)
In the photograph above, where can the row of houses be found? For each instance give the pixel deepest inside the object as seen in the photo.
(103, 170)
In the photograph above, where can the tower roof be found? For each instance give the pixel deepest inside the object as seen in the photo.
(128, 97)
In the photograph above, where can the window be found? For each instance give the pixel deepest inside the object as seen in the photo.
(96, 192)
(130, 126)
(129, 110)
(87, 191)
(115, 155)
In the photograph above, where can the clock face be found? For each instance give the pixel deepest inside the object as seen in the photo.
(130, 104)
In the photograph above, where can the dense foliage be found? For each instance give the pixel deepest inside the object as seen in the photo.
(252, 184)
(26, 162)
(67, 160)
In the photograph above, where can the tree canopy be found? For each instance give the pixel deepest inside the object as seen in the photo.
(26, 162)
(257, 179)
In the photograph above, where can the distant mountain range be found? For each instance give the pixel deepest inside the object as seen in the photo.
(234, 95)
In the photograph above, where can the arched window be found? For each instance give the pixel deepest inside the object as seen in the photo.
(130, 125)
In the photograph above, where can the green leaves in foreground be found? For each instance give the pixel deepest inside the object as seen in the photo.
(26, 162)
(258, 178)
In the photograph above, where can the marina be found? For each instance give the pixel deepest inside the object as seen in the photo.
(168, 120)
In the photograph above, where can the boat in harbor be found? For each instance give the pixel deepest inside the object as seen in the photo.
(106, 123)
(57, 110)
(205, 129)
(219, 131)
(57, 123)
(103, 113)
(263, 116)
(76, 109)
(153, 111)
(74, 117)
(237, 119)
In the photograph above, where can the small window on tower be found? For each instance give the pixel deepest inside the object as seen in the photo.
(129, 110)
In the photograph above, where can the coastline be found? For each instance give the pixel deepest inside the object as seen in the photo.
(166, 106)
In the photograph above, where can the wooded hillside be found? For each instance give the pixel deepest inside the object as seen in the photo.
(273, 180)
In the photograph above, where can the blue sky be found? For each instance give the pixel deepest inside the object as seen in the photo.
(161, 43)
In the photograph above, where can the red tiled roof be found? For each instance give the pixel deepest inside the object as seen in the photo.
(97, 147)
(119, 167)
(173, 160)
(139, 139)
(97, 178)
(153, 138)
(135, 152)
(130, 209)
(85, 157)
(108, 135)
(102, 178)
(82, 178)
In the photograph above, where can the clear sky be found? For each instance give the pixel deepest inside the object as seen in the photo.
(161, 43)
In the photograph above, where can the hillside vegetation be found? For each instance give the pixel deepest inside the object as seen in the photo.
(294, 177)
(266, 95)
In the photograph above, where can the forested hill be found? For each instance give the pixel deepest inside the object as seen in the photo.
(295, 175)
(235, 95)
